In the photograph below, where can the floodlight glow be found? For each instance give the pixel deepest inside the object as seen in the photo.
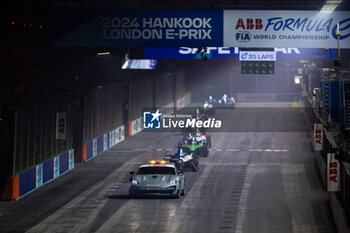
(103, 53)
(330, 5)
(139, 64)
(297, 79)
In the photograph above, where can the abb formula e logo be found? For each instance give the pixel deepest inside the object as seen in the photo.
(249, 24)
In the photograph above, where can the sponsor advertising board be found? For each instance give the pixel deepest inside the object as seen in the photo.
(301, 29)
(149, 28)
(61, 125)
(257, 56)
(333, 173)
(318, 137)
(233, 53)
(193, 28)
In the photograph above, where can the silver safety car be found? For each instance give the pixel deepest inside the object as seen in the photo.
(157, 177)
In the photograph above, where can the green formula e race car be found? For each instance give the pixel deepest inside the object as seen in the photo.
(197, 142)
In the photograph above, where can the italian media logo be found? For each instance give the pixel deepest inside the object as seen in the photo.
(151, 120)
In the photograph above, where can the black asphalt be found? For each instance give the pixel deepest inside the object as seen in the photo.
(260, 177)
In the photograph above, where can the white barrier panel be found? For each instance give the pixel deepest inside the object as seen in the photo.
(181, 103)
(318, 137)
(136, 126)
(120, 134)
(115, 136)
(333, 173)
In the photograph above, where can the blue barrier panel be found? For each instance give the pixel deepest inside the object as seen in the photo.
(47, 170)
(27, 181)
(64, 162)
(334, 86)
(99, 144)
(89, 150)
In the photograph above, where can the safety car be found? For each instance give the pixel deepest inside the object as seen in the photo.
(157, 177)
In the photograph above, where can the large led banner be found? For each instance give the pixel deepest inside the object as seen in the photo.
(149, 28)
(301, 29)
(204, 28)
(233, 53)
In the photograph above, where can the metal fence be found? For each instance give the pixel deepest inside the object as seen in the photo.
(35, 131)
(103, 110)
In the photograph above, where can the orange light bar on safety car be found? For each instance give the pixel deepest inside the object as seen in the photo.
(157, 162)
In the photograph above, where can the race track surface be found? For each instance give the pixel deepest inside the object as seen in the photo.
(257, 178)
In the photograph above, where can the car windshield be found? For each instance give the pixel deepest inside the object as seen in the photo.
(156, 170)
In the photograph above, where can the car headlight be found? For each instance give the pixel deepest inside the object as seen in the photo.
(134, 182)
(172, 182)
